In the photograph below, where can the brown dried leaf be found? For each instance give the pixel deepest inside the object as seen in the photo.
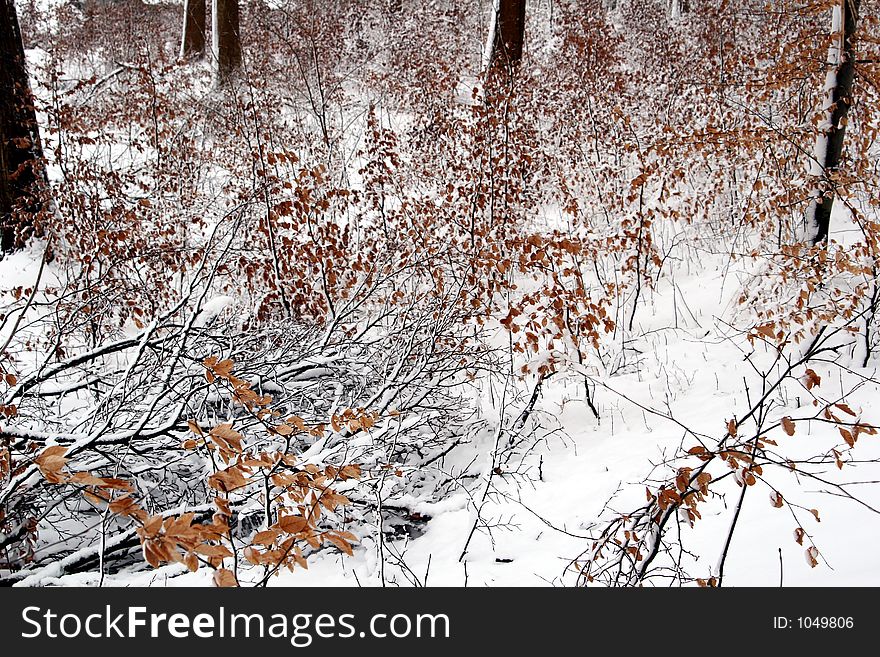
(846, 409)
(151, 554)
(223, 505)
(225, 578)
(50, 457)
(352, 471)
(265, 537)
(85, 479)
(213, 550)
(292, 524)
(339, 542)
(125, 506)
(283, 430)
(227, 480)
(152, 525)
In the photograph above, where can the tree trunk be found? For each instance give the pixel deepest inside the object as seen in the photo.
(227, 40)
(677, 8)
(829, 144)
(507, 34)
(193, 43)
(21, 168)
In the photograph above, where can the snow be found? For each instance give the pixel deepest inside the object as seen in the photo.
(525, 516)
(212, 308)
(543, 524)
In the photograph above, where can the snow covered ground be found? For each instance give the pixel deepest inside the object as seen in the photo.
(528, 515)
(543, 517)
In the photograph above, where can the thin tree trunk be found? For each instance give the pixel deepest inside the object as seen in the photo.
(829, 144)
(507, 34)
(193, 42)
(227, 38)
(21, 168)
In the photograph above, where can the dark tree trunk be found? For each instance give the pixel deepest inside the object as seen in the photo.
(227, 40)
(21, 167)
(193, 44)
(508, 35)
(842, 100)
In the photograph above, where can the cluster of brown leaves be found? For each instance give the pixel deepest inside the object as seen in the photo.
(179, 539)
(300, 494)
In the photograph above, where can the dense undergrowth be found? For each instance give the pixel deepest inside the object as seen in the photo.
(271, 316)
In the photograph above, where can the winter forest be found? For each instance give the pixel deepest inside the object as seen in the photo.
(440, 293)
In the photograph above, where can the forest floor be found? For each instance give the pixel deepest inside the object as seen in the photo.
(686, 363)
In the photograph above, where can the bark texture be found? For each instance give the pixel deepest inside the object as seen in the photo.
(227, 38)
(21, 168)
(194, 15)
(509, 34)
(819, 214)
